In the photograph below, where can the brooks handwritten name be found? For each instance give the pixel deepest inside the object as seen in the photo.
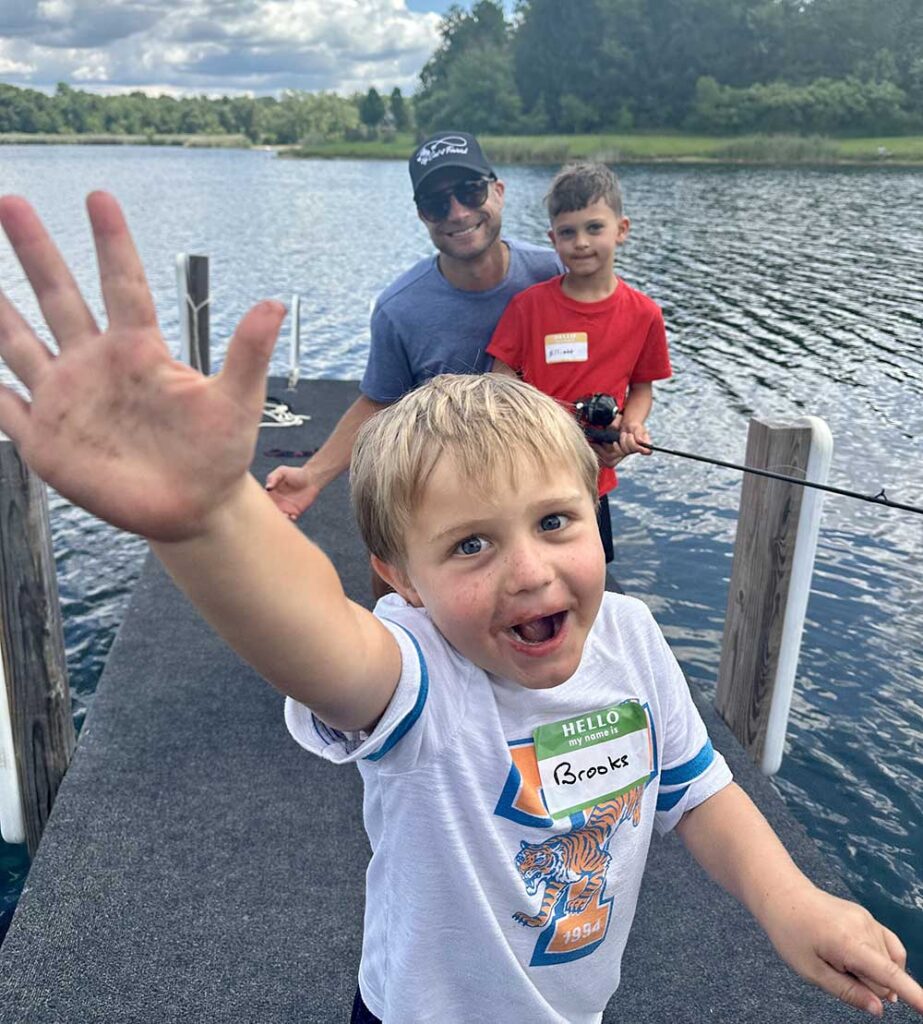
(564, 774)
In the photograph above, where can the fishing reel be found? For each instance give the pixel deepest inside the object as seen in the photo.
(595, 414)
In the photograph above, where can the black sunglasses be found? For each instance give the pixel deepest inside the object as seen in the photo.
(435, 206)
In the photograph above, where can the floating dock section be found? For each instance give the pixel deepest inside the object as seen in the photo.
(198, 866)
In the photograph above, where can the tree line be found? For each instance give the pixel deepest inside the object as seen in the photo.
(295, 117)
(718, 66)
(848, 66)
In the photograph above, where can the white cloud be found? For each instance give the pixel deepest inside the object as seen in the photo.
(94, 72)
(231, 46)
(15, 67)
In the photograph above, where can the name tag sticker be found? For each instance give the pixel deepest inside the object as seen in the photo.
(570, 347)
(594, 757)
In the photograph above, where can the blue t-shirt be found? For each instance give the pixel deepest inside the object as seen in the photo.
(423, 326)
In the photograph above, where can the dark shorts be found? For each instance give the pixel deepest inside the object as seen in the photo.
(604, 522)
(361, 1013)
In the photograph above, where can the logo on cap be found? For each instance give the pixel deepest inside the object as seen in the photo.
(442, 147)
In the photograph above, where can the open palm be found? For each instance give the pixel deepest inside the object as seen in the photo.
(113, 422)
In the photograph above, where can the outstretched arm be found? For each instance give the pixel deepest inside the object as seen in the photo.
(295, 488)
(833, 943)
(117, 426)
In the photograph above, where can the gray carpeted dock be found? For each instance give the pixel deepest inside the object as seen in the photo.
(199, 867)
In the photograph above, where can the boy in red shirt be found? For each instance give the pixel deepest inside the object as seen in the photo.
(587, 331)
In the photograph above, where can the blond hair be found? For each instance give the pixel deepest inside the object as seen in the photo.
(493, 426)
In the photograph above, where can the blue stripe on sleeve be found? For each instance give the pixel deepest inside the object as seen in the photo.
(667, 801)
(684, 773)
(414, 713)
(325, 733)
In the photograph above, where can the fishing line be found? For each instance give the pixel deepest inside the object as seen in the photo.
(878, 499)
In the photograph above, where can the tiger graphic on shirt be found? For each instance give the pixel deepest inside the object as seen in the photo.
(569, 868)
(581, 855)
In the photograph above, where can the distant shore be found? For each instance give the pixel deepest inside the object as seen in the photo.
(111, 139)
(901, 151)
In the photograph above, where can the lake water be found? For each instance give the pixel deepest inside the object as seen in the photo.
(785, 291)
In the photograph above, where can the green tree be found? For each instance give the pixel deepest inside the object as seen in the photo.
(27, 110)
(479, 95)
(826, 105)
(400, 111)
(372, 110)
(81, 112)
(552, 39)
(468, 82)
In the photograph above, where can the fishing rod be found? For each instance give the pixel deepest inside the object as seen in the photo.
(877, 499)
(592, 412)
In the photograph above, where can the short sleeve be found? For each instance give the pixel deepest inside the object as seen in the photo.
(653, 362)
(508, 340)
(691, 770)
(387, 374)
(401, 715)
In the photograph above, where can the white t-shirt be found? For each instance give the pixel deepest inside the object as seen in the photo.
(479, 905)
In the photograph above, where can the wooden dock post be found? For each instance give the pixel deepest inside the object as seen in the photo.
(294, 343)
(36, 724)
(192, 291)
(770, 581)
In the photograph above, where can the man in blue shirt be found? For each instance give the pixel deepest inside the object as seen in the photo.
(437, 317)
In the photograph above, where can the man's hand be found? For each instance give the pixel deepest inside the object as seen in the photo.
(293, 489)
(841, 948)
(113, 422)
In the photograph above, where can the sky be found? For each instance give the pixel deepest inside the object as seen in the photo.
(217, 47)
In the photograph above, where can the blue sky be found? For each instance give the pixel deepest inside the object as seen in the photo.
(217, 46)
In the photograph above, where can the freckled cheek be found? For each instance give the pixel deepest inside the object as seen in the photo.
(472, 604)
(587, 572)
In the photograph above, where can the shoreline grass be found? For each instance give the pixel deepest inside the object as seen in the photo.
(653, 148)
(636, 147)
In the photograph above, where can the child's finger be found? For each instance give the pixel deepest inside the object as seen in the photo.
(14, 415)
(864, 961)
(243, 376)
(22, 352)
(895, 948)
(882, 991)
(58, 296)
(121, 275)
(848, 989)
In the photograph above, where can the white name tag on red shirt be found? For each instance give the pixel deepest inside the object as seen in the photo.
(570, 347)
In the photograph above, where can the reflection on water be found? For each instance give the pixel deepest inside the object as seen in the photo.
(786, 292)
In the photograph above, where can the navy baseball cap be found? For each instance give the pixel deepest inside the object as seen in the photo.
(447, 149)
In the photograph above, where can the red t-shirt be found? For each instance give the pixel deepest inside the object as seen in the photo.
(571, 349)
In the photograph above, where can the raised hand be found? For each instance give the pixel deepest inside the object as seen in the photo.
(114, 423)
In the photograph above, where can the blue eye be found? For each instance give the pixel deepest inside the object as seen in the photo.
(470, 546)
(555, 521)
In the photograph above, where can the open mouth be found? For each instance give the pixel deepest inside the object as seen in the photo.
(539, 631)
